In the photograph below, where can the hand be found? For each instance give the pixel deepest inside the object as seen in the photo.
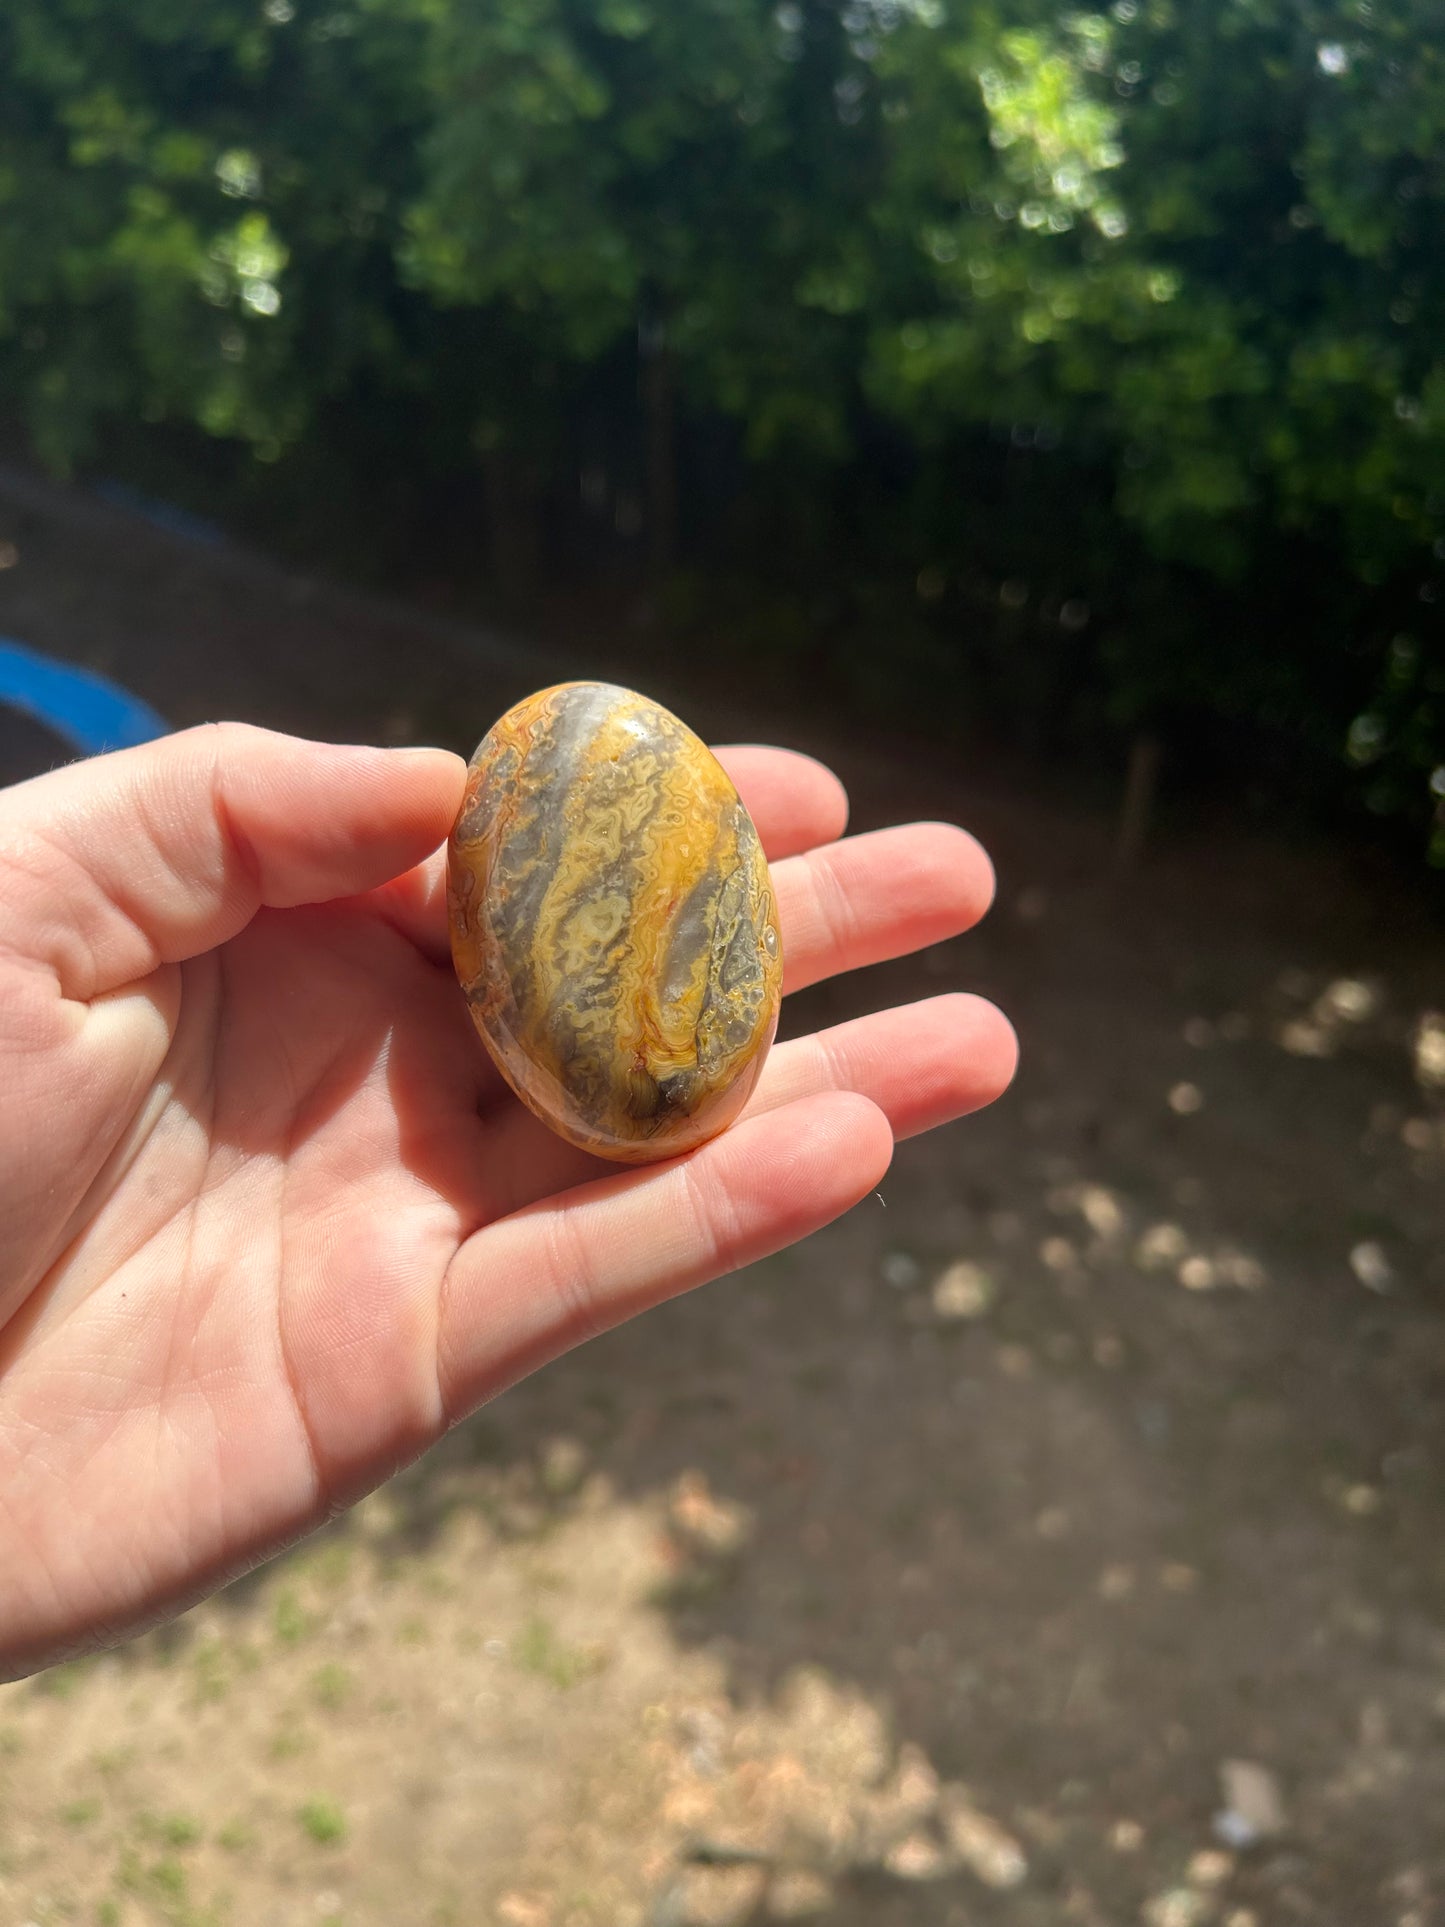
(270, 1221)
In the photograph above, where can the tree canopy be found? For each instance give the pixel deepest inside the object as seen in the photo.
(1135, 313)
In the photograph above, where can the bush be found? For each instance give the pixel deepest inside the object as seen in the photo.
(1106, 340)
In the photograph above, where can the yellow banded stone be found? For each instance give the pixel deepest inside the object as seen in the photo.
(612, 922)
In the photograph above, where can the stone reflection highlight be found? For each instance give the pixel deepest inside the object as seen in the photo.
(612, 922)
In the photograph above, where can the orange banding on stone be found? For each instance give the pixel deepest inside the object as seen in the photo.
(612, 922)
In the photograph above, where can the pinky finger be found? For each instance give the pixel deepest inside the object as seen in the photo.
(544, 1279)
(922, 1064)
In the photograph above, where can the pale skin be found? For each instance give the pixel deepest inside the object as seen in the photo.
(269, 1220)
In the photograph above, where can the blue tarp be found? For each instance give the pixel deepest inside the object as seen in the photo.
(89, 711)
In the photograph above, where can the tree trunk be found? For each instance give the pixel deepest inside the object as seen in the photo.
(1140, 788)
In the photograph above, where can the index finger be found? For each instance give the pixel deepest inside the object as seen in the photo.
(795, 801)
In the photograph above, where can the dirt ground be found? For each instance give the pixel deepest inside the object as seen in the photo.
(1056, 1539)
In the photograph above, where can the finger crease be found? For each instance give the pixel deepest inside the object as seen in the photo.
(718, 1223)
(573, 1276)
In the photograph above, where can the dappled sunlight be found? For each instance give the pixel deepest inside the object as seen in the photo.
(1430, 1051)
(1168, 1248)
(1058, 142)
(1341, 1009)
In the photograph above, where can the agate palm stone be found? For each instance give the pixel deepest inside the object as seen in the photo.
(612, 922)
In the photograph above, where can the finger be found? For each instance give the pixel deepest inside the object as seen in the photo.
(415, 904)
(882, 895)
(849, 904)
(852, 903)
(841, 907)
(922, 1064)
(544, 1279)
(117, 865)
(794, 801)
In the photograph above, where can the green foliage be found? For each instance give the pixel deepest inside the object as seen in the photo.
(196, 210)
(332, 1685)
(1133, 313)
(291, 1620)
(322, 1821)
(539, 1649)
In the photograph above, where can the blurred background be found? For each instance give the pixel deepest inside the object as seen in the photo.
(1041, 415)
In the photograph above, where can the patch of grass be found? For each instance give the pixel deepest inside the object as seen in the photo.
(322, 1821)
(112, 1761)
(331, 1686)
(79, 1813)
(107, 1914)
(413, 1632)
(288, 1741)
(179, 1829)
(164, 1886)
(168, 1878)
(212, 1675)
(332, 1561)
(290, 1619)
(60, 1682)
(539, 1650)
(236, 1837)
(11, 1742)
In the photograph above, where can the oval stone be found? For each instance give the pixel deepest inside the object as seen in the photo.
(612, 922)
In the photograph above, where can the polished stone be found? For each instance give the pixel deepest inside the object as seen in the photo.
(612, 922)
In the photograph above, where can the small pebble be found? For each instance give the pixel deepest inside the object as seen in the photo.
(1253, 1807)
(919, 1857)
(1179, 1907)
(900, 1270)
(1210, 1868)
(1371, 1267)
(963, 1291)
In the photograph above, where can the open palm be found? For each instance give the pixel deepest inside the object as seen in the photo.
(270, 1221)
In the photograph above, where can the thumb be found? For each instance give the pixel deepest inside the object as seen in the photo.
(111, 867)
